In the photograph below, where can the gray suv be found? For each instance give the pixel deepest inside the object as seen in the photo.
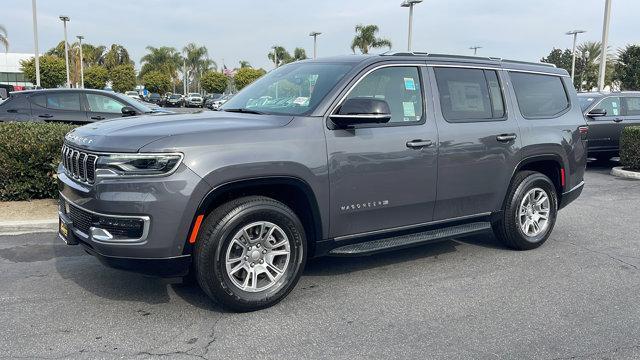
(342, 156)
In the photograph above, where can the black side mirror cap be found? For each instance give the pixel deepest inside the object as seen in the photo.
(597, 113)
(362, 111)
(128, 111)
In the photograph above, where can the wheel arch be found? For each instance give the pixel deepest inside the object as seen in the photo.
(551, 165)
(292, 191)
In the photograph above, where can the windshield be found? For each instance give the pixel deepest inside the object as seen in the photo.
(176, 96)
(585, 101)
(293, 89)
(136, 104)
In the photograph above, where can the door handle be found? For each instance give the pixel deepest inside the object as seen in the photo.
(46, 116)
(617, 120)
(418, 144)
(98, 117)
(506, 137)
(12, 111)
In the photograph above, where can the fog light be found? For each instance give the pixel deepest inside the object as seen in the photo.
(100, 234)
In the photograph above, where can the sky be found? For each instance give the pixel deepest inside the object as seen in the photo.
(245, 30)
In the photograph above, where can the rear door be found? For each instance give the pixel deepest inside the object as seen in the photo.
(101, 107)
(15, 108)
(631, 106)
(479, 141)
(58, 106)
(604, 131)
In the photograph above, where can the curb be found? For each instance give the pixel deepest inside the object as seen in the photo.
(28, 226)
(626, 174)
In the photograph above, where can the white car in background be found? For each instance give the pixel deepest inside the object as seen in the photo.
(133, 95)
(218, 103)
(194, 99)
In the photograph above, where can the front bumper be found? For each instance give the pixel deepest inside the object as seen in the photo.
(164, 206)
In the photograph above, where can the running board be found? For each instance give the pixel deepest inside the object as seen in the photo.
(403, 241)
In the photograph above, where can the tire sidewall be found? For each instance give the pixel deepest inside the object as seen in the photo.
(530, 182)
(242, 300)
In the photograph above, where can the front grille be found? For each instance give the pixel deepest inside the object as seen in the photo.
(79, 165)
(123, 228)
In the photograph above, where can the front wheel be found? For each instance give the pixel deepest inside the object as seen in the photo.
(529, 212)
(250, 253)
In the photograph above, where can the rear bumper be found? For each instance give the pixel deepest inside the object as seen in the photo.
(569, 196)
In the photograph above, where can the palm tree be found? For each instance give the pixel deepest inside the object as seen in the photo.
(366, 39)
(587, 65)
(117, 55)
(198, 61)
(244, 64)
(165, 59)
(299, 54)
(4, 39)
(282, 57)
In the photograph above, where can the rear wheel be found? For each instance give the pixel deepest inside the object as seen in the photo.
(250, 253)
(529, 212)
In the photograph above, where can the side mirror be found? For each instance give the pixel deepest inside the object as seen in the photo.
(362, 111)
(594, 113)
(128, 111)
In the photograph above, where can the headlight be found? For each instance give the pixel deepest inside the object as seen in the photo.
(133, 165)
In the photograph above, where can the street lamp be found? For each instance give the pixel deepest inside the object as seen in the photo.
(475, 49)
(275, 59)
(315, 42)
(66, 48)
(573, 52)
(35, 42)
(80, 37)
(604, 44)
(409, 4)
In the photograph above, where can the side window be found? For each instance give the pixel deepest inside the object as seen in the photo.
(611, 105)
(399, 86)
(632, 105)
(469, 94)
(101, 103)
(40, 100)
(64, 101)
(539, 96)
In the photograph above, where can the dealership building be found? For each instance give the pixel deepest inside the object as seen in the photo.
(10, 69)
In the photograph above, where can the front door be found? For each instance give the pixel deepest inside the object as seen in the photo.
(604, 131)
(101, 107)
(380, 177)
(478, 142)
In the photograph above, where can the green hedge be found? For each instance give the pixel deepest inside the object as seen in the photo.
(630, 147)
(29, 156)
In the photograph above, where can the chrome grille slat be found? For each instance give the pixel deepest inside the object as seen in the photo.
(79, 165)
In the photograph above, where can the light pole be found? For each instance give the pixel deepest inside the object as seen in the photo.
(66, 48)
(573, 51)
(315, 42)
(35, 42)
(604, 44)
(475, 49)
(80, 37)
(409, 4)
(275, 58)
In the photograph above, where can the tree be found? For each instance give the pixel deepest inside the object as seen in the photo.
(53, 71)
(299, 54)
(116, 56)
(197, 59)
(95, 77)
(123, 78)
(366, 39)
(627, 68)
(244, 64)
(4, 40)
(164, 59)
(283, 56)
(588, 65)
(156, 82)
(245, 76)
(560, 58)
(214, 82)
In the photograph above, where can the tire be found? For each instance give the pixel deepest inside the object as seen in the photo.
(223, 237)
(508, 228)
(603, 157)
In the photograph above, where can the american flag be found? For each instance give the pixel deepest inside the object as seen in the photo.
(228, 72)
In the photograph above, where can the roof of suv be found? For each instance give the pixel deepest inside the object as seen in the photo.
(607, 93)
(450, 59)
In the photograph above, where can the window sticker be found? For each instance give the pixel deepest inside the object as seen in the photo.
(301, 100)
(409, 84)
(409, 110)
(614, 104)
(616, 112)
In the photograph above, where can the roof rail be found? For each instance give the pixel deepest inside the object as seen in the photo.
(465, 57)
(529, 63)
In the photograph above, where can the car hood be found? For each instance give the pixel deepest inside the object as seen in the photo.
(132, 133)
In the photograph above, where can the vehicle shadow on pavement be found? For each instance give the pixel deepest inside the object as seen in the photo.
(327, 266)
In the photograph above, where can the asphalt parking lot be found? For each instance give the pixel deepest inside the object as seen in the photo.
(575, 297)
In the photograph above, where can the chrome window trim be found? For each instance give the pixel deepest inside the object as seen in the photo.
(127, 241)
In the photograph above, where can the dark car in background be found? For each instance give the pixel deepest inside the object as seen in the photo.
(69, 105)
(607, 114)
(209, 99)
(174, 100)
(155, 98)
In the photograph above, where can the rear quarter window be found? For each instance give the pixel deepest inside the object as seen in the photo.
(540, 96)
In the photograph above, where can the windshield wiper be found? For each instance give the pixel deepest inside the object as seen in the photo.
(245, 111)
